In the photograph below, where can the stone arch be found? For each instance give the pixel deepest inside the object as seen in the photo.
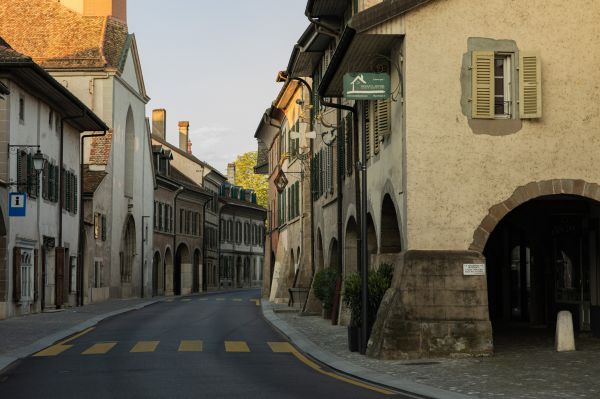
(168, 272)
(156, 273)
(526, 193)
(319, 252)
(371, 235)
(181, 269)
(129, 154)
(333, 255)
(391, 241)
(351, 247)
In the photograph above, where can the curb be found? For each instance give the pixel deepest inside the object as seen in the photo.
(403, 385)
(9, 358)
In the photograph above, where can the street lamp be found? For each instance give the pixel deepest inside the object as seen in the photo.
(38, 161)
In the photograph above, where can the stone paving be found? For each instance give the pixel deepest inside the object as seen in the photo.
(18, 332)
(525, 366)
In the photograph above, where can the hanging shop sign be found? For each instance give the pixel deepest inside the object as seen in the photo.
(366, 86)
(281, 181)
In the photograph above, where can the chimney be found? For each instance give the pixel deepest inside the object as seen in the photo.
(99, 8)
(159, 123)
(189, 146)
(184, 132)
(231, 173)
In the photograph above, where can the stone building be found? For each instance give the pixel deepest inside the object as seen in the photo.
(178, 228)
(86, 46)
(205, 180)
(482, 155)
(40, 250)
(282, 134)
(242, 237)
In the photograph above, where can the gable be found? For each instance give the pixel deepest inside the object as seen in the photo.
(129, 74)
(131, 68)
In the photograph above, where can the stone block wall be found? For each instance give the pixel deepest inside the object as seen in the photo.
(433, 310)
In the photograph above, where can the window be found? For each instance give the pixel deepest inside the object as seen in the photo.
(26, 271)
(97, 225)
(73, 274)
(103, 227)
(22, 110)
(160, 217)
(493, 94)
(98, 270)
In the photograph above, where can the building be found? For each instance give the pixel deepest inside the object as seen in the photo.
(282, 134)
(40, 262)
(178, 229)
(482, 186)
(242, 237)
(204, 181)
(86, 46)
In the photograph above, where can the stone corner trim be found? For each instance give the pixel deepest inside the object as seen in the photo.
(432, 309)
(526, 193)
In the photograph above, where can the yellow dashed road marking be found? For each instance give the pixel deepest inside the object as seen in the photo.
(236, 346)
(54, 350)
(145, 346)
(59, 348)
(285, 347)
(190, 346)
(99, 349)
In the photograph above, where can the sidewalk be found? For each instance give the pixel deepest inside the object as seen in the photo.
(25, 335)
(526, 368)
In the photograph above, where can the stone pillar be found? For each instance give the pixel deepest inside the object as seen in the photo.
(184, 131)
(432, 309)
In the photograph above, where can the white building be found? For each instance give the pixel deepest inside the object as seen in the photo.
(102, 68)
(40, 251)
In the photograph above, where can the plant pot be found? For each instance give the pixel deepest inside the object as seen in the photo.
(353, 338)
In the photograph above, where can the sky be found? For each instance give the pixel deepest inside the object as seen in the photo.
(214, 64)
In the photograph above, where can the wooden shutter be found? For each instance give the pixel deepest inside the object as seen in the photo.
(36, 274)
(367, 127)
(103, 227)
(482, 97)
(530, 85)
(16, 274)
(45, 181)
(20, 176)
(341, 159)
(382, 124)
(30, 176)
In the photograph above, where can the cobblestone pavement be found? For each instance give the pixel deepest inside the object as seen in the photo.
(21, 331)
(525, 365)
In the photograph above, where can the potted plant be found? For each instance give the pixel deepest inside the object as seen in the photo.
(324, 288)
(352, 299)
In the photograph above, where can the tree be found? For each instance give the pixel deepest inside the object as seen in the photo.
(246, 178)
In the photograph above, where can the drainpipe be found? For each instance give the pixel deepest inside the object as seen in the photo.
(177, 193)
(144, 240)
(204, 246)
(81, 218)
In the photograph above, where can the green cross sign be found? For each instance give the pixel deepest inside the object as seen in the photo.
(366, 86)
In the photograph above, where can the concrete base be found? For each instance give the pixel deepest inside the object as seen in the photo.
(565, 336)
(432, 310)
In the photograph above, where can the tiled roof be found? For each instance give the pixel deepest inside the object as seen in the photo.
(92, 179)
(8, 54)
(57, 37)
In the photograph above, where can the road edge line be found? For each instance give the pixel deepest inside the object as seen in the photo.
(311, 350)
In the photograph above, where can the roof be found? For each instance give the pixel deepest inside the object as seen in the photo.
(307, 53)
(59, 38)
(92, 179)
(26, 73)
(326, 8)
(356, 43)
(242, 204)
(179, 177)
(189, 156)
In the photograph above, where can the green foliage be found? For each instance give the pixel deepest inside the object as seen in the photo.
(324, 287)
(379, 282)
(246, 178)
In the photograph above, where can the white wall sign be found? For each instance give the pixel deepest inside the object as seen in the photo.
(474, 269)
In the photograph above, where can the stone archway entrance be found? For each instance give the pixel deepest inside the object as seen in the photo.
(542, 253)
(127, 257)
(167, 277)
(390, 233)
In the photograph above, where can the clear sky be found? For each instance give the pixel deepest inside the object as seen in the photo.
(214, 63)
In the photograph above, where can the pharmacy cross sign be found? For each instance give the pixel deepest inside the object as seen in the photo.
(366, 86)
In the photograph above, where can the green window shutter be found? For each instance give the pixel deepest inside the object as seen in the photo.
(530, 85)
(30, 173)
(103, 227)
(367, 127)
(349, 141)
(56, 183)
(45, 181)
(482, 85)
(20, 176)
(342, 148)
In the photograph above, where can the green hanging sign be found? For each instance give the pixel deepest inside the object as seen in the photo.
(366, 86)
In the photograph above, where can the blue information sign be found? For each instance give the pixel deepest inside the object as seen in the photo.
(17, 204)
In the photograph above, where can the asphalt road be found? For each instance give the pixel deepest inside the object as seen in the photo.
(213, 346)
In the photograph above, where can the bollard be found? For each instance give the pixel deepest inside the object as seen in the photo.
(565, 337)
